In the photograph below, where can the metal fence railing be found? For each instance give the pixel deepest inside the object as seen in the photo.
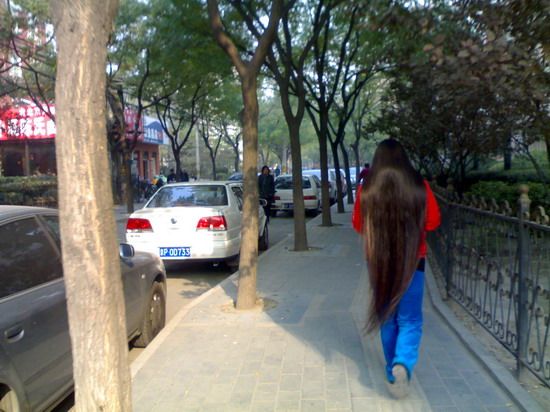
(497, 267)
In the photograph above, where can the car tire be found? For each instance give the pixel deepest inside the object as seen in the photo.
(154, 317)
(312, 212)
(8, 400)
(273, 213)
(263, 241)
(233, 263)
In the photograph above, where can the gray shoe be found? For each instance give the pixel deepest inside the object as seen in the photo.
(400, 387)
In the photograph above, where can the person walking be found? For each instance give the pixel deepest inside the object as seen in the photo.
(266, 187)
(363, 173)
(394, 209)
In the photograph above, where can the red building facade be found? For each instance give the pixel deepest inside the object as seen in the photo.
(27, 142)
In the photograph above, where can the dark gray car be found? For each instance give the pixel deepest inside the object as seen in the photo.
(35, 348)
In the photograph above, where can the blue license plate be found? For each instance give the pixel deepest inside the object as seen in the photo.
(175, 251)
(288, 205)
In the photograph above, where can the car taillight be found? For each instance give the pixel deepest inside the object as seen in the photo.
(276, 197)
(310, 197)
(138, 225)
(213, 223)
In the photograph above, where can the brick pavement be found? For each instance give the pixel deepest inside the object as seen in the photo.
(306, 352)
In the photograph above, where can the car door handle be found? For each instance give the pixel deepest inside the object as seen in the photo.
(14, 333)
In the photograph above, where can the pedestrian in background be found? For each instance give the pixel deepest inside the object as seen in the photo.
(393, 210)
(172, 178)
(184, 176)
(363, 174)
(266, 187)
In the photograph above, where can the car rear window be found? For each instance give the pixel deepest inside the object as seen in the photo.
(286, 183)
(192, 195)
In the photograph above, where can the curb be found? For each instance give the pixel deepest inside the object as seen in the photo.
(500, 375)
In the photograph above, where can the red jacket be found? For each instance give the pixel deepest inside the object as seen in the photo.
(432, 220)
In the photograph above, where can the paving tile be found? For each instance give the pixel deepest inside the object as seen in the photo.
(313, 373)
(336, 381)
(438, 396)
(365, 405)
(338, 399)
(313, 406)
(262, 406)
(265, 392)
(290, 382)
(269, 374)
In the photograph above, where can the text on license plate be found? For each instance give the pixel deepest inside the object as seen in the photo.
(175, 251)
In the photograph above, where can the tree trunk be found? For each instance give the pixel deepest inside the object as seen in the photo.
(213, 161)
(300, 233)
(547, 142)
(127, 187)
(507, 158)
(339, 188)
(116, 180)
(323, 160)
(90, 250)
(246, 295)
(237, 159)
(349, 189)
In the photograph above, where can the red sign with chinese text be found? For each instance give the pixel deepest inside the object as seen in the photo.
(26, 122)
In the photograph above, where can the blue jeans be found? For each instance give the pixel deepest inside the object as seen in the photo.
(401, 333)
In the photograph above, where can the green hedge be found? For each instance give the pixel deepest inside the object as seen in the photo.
(539, 193)
(29, 190)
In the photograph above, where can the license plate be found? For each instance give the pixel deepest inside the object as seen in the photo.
(288, 205)
(175, 251)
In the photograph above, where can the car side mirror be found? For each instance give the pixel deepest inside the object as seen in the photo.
(126, 250)
(263, 202)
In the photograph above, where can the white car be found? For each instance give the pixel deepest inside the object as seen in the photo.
(284, 198)
(193, 221)
(332, 189)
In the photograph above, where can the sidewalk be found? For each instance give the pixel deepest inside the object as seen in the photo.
(306, 352)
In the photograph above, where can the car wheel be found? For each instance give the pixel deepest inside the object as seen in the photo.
(312, 212)
(8, 400)
(233, 263)
(154, 317)
(273, 213)
(263, 241)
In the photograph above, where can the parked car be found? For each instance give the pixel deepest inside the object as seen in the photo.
(333, 191)
(284, 197)
(342, 179)
(352, 176)
(35, 348)
(193, 221)
(237, 177)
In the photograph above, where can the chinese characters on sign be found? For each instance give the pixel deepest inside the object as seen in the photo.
(30, 122)
(26, 122)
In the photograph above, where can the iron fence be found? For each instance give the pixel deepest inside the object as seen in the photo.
(496, 265)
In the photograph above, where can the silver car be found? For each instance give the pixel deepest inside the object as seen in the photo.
(35, 348)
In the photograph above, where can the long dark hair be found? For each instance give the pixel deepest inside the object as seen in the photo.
(393, 201)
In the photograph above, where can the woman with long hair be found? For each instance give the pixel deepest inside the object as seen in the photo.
(393, 210)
